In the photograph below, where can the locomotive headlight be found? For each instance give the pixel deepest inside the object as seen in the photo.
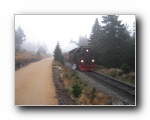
(92, 60)
(87, 50)
(82, 61)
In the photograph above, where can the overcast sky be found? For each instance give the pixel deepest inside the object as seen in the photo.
(49, 29)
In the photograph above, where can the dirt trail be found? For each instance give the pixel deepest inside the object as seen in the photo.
(34, 85)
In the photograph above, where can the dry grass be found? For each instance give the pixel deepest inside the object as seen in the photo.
(22, 55)
(86, 98)
(119, 74)
(70, 77)
(23, 58)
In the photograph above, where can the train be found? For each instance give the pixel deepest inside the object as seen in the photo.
(82, 58)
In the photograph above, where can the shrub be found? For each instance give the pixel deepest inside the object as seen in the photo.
(120, 73)
(113, 74)
(77, 90)
(125, 68)
(93, 93)
(97, 67)
(73, 73)
(76, 77)
(66, 75)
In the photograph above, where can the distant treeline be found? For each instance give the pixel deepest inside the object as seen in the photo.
(22, 44)
(20, 37)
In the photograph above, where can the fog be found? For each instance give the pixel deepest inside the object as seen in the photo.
(46, 30)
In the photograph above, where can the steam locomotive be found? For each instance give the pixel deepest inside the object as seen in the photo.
(82, 58)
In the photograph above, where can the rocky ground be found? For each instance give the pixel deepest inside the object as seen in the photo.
(116, 99)
(62, 94)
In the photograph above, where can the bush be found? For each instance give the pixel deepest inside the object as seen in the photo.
(76, 77)
(66, 75)
(73, 73)
(77, 90)
(93, 93)
(97, 67)
(113, 74)
(125, 68)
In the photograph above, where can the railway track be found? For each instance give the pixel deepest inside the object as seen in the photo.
(114, 82)
(123, 90)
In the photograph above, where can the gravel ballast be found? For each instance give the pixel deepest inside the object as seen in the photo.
(116, 98)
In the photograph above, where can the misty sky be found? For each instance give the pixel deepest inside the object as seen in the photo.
(49, 29)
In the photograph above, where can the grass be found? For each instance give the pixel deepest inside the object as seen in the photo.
(79, 91)
(118, 74)
(22, 55)
(88, 96)
(23, 58)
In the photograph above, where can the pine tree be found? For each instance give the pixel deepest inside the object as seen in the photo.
(116, 41)
(131, 50)
(58, 54)
(95, 34)
(112, 43)
(19, 37)
(96, 40)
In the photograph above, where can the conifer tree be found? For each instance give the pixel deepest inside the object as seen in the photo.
(112, 30)
(19, 37)
(116, 38)
(95, 35)
(96, 40)
(58, 54)
(112, 43)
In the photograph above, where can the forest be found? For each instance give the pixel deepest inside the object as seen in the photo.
(113, 43)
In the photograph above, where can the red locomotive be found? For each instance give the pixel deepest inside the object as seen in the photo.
(82, 57)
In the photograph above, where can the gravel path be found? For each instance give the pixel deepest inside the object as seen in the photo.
(34, 84)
